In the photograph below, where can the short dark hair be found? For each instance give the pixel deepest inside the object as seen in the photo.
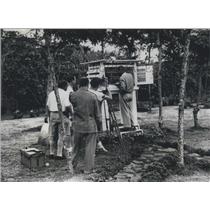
(62, 84)
(71, 78)
(95, 82)
(83, 82)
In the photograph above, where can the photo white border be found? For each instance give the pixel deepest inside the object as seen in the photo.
(104, 14)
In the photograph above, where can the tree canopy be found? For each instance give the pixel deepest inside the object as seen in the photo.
(25, 63)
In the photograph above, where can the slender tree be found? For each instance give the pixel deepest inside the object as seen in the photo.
(51, 63)
(184, 72)
(196, 108)
(158, 39)
(160, 118)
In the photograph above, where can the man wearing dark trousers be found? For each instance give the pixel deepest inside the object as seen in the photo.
(86, 123)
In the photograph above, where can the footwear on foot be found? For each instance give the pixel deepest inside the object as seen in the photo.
(59, 157)
(126, 129)
(67, 152)
(89, 171)
(51, 156)
(101, 147)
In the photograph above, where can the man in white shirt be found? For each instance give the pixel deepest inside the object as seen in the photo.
(52, 110)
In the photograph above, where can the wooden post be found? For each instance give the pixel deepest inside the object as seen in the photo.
(150, 103)
(134, 101)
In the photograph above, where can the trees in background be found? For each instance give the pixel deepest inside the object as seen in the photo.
(127, 40)
(199, 69)
(23, 77)
(26, 78)
(20, 67)
(99, 36)
(159, 39)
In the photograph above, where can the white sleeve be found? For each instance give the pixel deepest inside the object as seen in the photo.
(66, 100)
(100, 96)
(48, 100)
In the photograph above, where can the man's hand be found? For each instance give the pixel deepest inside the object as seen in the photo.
(47, 115)
(68, 111)
(99, 126)
(117, 84)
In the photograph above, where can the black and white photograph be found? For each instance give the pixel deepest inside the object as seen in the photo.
(105, 105)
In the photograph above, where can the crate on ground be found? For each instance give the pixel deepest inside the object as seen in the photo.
(32, 158)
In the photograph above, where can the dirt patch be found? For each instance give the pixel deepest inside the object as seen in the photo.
(17, 134)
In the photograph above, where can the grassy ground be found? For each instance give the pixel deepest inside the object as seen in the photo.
(197, 138)
(13, 138)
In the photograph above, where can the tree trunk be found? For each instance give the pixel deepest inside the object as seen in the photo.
(149, 53)
(184, 71)
(55, 87)
(195, 116)
(174, 87)
(57, 97)
(102, 49)
(149, 87)
(49, 82)
(52, 80)
(196, 108)
(206, 81)
(160, 119)
(49, 78)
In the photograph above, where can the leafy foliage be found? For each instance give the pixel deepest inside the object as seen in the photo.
(23, 82)
(25, 66)
(25, 59)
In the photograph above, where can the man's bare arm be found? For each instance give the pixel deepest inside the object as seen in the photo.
(47, 116)
(107, 94)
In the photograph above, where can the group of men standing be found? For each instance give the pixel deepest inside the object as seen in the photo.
(82, 115)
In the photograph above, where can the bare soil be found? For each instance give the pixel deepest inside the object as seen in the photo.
(15, 137)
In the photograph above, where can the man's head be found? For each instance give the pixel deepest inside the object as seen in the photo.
(62, 84)
(128, 71)
(72, 80)
(84, 82)
(95, 82)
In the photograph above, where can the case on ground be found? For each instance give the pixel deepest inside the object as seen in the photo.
(32, 158)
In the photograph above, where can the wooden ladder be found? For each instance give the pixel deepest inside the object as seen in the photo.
(114, 120)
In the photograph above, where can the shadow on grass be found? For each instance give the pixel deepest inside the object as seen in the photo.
(34, 129)
(199, 128)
